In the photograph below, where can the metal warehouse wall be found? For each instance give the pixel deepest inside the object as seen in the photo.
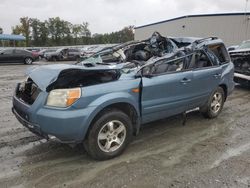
(232, 29)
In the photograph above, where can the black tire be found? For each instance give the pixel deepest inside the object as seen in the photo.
(54, 59)
(78, 59)
(92, 143)
(210, 110)
(28, 61)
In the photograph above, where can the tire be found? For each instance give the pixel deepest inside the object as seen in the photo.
(214, 105)
(28, 60)
(78, 59)
(109, 135)
(54, 59)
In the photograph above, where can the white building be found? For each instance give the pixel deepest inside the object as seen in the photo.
(232, 28)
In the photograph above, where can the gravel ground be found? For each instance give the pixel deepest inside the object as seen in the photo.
(204, 153)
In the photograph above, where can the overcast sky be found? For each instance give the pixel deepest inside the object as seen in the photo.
(111, 15)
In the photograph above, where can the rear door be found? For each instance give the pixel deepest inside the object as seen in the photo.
(18, 55)
(167, 91)
(72, 54)
(207, 74)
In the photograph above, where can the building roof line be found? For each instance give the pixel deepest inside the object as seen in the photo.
(195, 15)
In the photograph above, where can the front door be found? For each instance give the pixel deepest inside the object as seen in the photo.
(6, 56)
(167, 92)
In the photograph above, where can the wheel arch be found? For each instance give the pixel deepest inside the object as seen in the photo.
(224, 87)
(126, 107)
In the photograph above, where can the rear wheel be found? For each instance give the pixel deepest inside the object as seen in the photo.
(109, 135)
(54, 59)
(215, 104)
(28, 60)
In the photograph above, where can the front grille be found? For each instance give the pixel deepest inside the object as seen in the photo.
(28, 91)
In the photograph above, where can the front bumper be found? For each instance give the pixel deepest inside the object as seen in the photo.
(34, 128)
(242, 78)
(67, 125)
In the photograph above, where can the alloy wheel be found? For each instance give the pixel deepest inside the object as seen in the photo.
(216, 102)
(111, 136)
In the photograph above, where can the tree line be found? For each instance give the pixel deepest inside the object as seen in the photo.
(58, 32)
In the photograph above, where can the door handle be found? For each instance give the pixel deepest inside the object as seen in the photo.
(185, 80)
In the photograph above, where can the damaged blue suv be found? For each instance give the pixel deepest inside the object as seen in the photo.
(102, 101)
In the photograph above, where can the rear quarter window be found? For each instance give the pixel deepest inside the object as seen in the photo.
(220, 52)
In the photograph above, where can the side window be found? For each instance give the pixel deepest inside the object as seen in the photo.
(73, 50)
(8, 52)
(220, 52)
(167, 66)
(199, 60)
(18, 51)
(213, 57)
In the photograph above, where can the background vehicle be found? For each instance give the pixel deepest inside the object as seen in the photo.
(241, 59)
(63, 54)
(16, 56)
(103, 104)
(231, 48)
(42, 52)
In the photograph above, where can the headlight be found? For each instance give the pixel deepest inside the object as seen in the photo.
(63, 97)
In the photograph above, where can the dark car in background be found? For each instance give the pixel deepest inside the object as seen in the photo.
(17, 56)
(44, 51)
(241, 59)
(63, 54)
(34, 51)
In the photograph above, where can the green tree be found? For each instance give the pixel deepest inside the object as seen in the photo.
(59, 30)
(85, 32)
(16, 30)
(36, 32)
(56, 31)
(44, 32)
(25, 28)
(76, 31)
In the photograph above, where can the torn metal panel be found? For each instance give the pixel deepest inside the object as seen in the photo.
(241, 58)
(67, 76)
(156, 45)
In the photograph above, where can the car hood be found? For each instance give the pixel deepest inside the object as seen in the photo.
(240, 50)
(44, 76)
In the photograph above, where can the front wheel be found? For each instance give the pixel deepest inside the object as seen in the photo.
(28, 60)
(215, 104)
(109, 135)
(78, 59)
